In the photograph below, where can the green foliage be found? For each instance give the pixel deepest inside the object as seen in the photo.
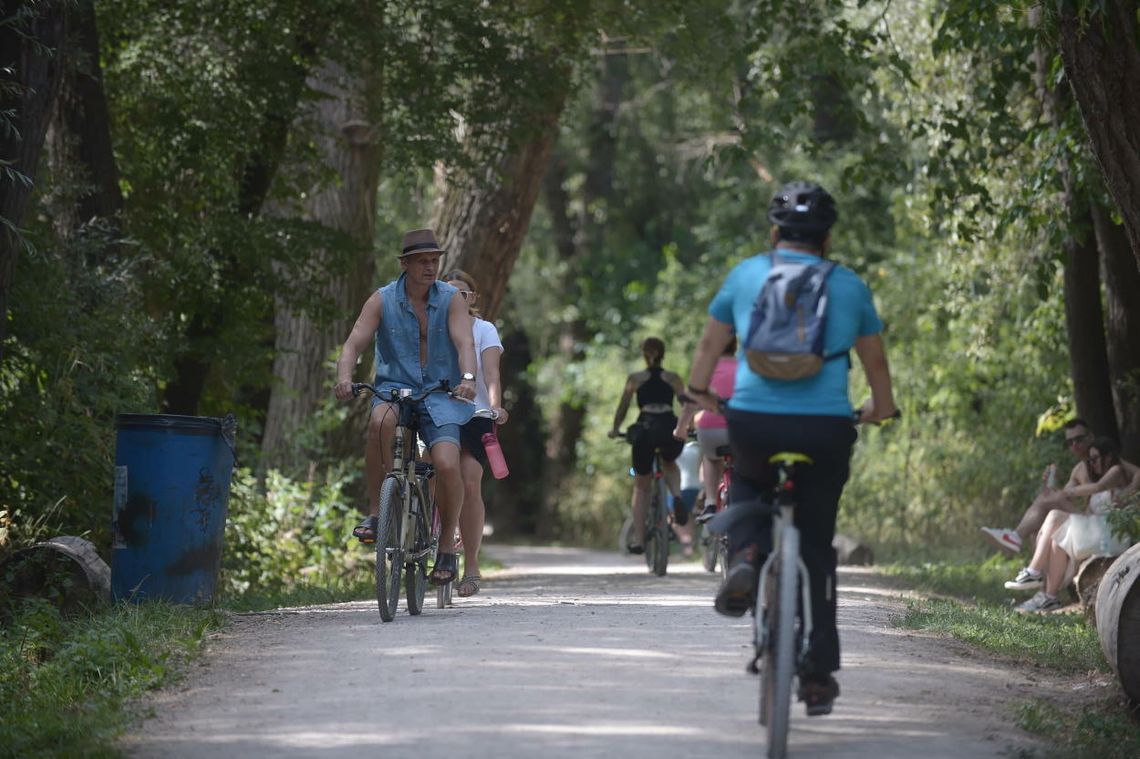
(1125, 519)
(65, 683)
(286, 534)
(80, 351)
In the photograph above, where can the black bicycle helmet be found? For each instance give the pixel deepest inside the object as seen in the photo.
(803, 207)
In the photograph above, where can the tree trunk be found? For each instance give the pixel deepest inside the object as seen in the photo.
(193, 366)
(1084, 317)
(576, 237)
(481, 221)
(1101, 54)
(304, 344)
(512, 505)
(1084, 322)
(1121, 285)
(83, 158)
(32, 35)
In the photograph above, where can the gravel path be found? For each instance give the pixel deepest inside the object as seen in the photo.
(571, 653)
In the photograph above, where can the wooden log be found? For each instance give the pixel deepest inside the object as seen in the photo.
(1118, 620)
(66, 571)
(1088, 580)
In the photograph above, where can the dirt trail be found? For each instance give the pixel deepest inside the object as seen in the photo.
(571, 653)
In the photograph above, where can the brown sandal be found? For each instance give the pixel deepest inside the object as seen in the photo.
(468, 586)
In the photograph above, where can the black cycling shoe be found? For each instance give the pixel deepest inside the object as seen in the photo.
(738, 590)
(818, 697)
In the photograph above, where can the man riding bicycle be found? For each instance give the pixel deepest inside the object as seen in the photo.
(812, 416)
(422, 336)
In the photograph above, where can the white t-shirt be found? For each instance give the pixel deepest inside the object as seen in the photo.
(486, 338)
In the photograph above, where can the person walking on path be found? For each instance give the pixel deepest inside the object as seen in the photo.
(473, 457)
(422, 336)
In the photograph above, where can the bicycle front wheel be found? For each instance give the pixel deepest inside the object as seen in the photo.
(389, 548)
(779, 659)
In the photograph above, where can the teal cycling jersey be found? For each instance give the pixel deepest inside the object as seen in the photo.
(851, 314)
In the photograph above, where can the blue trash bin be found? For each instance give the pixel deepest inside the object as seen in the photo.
(172, 487)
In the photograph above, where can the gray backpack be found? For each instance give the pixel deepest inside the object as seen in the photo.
(785, 334)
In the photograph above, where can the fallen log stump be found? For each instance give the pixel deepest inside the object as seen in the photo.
(1087, 582)
(1118, 620)
(65, 571)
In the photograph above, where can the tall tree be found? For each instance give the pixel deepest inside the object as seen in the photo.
(80, 136)
(1100, 47)
(577, 236)
(348, 145)
(32, 36)
(1084, 315)
(482, 219)
(1121, 284)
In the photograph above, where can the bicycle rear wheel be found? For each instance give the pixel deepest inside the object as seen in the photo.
(710, 545)
(442, 592)
(389, 548)
(779, 654)
(657, 531)
(416, 571)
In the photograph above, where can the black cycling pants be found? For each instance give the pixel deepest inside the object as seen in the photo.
(828, 440)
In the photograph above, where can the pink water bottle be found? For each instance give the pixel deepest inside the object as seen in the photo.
(495, 455)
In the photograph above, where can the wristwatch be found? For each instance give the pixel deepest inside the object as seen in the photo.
(467, 377)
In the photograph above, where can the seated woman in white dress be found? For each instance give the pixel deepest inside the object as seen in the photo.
(1065, 540)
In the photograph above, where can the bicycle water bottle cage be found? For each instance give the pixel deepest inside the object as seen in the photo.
(424, 469)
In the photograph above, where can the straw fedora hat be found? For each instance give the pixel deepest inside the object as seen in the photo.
(420, 241)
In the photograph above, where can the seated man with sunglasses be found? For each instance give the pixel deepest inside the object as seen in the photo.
(1078, 438)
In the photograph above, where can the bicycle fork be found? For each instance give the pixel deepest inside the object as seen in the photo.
(788, 539)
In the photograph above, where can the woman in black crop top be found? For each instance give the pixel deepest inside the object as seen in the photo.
(655, 389)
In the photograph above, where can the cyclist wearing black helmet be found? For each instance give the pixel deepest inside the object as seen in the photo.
(811, 415)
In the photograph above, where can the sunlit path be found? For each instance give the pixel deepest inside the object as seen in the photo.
(565, 653)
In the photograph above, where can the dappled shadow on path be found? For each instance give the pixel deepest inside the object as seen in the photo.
(566, 653)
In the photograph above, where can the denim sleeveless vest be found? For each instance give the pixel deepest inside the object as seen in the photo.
(398, 349)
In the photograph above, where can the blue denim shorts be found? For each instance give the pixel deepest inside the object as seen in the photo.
(430, 432)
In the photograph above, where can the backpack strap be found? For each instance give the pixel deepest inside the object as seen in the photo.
(828, 267)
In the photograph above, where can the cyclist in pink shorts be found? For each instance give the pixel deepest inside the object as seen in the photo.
(712, 428)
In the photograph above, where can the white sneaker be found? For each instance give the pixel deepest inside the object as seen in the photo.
(1006, 540)
(1040, 603)
(1026, 579)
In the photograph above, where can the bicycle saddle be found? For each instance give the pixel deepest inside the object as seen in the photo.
(789, 458)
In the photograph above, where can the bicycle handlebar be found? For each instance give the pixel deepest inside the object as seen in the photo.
(857, 417)
(397, 395)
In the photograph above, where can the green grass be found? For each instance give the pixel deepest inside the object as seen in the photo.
(65, 683)
(331, 591)
(1102, 730)
(967, 601)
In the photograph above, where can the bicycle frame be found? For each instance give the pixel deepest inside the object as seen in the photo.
(784, 533)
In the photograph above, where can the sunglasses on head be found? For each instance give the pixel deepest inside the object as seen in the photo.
(467, 295)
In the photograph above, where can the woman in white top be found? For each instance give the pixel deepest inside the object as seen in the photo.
(1067, 539)
(473, 458)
